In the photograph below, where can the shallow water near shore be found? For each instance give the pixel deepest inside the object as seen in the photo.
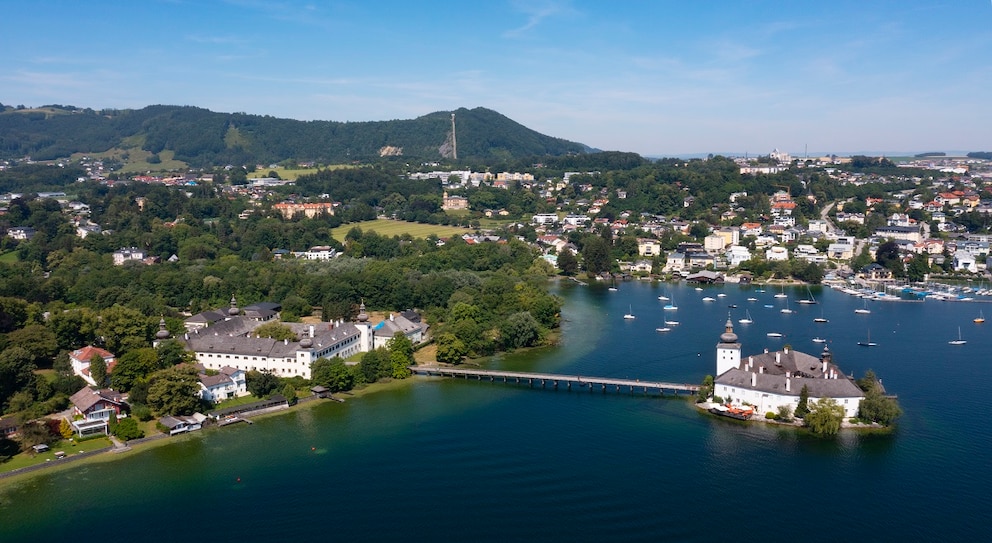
(450, 459)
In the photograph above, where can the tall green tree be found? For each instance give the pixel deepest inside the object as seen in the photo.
(802, 409)
(332, 374)
(825, 417)
(567, 263)
(596, 255)
(123, 328)
(98, 370)
(133, 366)
(261, 383)
(918, 268)
(173, 391)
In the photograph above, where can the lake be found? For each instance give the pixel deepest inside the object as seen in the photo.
(436, 459)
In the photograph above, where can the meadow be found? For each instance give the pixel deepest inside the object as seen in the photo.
(390, 228)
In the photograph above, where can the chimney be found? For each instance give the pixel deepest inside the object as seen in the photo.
(390, 317)
(750, 360)
(766, 350)
(285, 342)
(824, 370)
(778, 359)
(761, 369)
(788, 374)
(754, 379)
(311, 330)
(786, 350)
(788, 384)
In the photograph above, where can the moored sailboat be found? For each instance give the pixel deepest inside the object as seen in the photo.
(957, 341)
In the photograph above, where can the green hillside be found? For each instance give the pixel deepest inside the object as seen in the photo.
(200, 137)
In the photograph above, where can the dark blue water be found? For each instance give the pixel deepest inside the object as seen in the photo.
(477, 461)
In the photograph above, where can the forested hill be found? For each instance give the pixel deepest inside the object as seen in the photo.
(200, 137)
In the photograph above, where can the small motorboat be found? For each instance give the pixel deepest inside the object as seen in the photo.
(819, 340)
(664, 329)
(773, 334)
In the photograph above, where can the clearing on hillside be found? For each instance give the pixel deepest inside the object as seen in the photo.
(390, 228)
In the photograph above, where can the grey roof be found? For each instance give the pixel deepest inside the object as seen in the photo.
(398, 323)
(801, 368)
(86, 398)
(208, 317)
(233, 337)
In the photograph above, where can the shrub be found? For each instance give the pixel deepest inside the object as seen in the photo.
(717, 399)
(771, 415)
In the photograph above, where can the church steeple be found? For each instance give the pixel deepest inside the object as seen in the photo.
(728, 351)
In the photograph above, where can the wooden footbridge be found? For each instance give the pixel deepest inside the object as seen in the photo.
(556, 380)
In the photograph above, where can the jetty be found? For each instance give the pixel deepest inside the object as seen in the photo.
(556, 380)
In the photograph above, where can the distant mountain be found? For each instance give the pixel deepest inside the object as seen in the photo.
(200, 137)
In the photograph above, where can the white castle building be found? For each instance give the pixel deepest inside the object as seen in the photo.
(772, 379)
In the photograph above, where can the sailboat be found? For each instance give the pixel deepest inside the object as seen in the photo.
(863, 310)
(746, 319)
(786, 309)
(670, 306)
(821, 318)
(980, 318)
(613, 287)
(630, 313)
(868, 343)
(782, 294)
(807, 301)
(957, 341)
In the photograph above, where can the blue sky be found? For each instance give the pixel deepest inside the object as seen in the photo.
(659, 78)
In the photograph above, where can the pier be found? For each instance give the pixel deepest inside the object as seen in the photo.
(556, 381)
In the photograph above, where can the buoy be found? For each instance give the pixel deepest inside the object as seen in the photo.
(313, 448)
(239, 479)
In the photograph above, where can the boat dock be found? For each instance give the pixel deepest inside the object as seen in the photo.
(555, 380)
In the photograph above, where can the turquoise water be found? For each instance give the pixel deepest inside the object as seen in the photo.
(479, 461)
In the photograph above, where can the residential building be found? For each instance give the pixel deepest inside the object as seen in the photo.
(127, 254)
(80, 361)
(95, 407)
(648, 247)
(219, 385)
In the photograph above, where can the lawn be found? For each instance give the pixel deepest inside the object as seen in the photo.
(9, 257)
(390, 228)
(25, 459)
(296, 173)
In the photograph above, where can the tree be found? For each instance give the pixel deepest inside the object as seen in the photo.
(567, 263)
(861, 260)
(36, 339)
(123, 328)
(16, 372)
(375, 365)
(450, 349)
(276, 331)
(127, 429)
(173, 391)
(65, 429)
(784, 413)
(825, 418)
(596, 255)
(918, 268)
(803, 408)
(332, 374)
(261, 383)
(888, 255)
(705, 389)
(520, 330)
(289, 392)
(98, 370)
(171, 353)
(135, 365)
(875, 406)
(400, 355)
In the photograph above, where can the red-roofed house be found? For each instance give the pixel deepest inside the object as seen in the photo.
(95, 406)
(80, 360)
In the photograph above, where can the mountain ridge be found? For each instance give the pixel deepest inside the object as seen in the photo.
(201, 137)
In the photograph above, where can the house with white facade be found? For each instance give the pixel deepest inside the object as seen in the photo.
(219, 385)
(80, 361)
(770, 380)
(127, 254)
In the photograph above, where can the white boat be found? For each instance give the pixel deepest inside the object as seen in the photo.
(868, 343)
(863, 310)
(752, 299)
(698, 289)
(746, 319)
(630, 313)
(820, 319)
(671, 306)
(708, 299)
(671, 323)
(665, 329)
(782, 294)
(721, 295)
(807, 301)
(819, 340)
(663, 298)
(786, 309)
(773, 334)
(957, 341)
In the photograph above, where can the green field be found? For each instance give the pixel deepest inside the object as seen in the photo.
(296, 173)
(9, 257)
(388, 228)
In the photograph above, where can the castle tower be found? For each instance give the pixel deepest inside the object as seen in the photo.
(728, 351)
(162, 334)
(365, 327)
